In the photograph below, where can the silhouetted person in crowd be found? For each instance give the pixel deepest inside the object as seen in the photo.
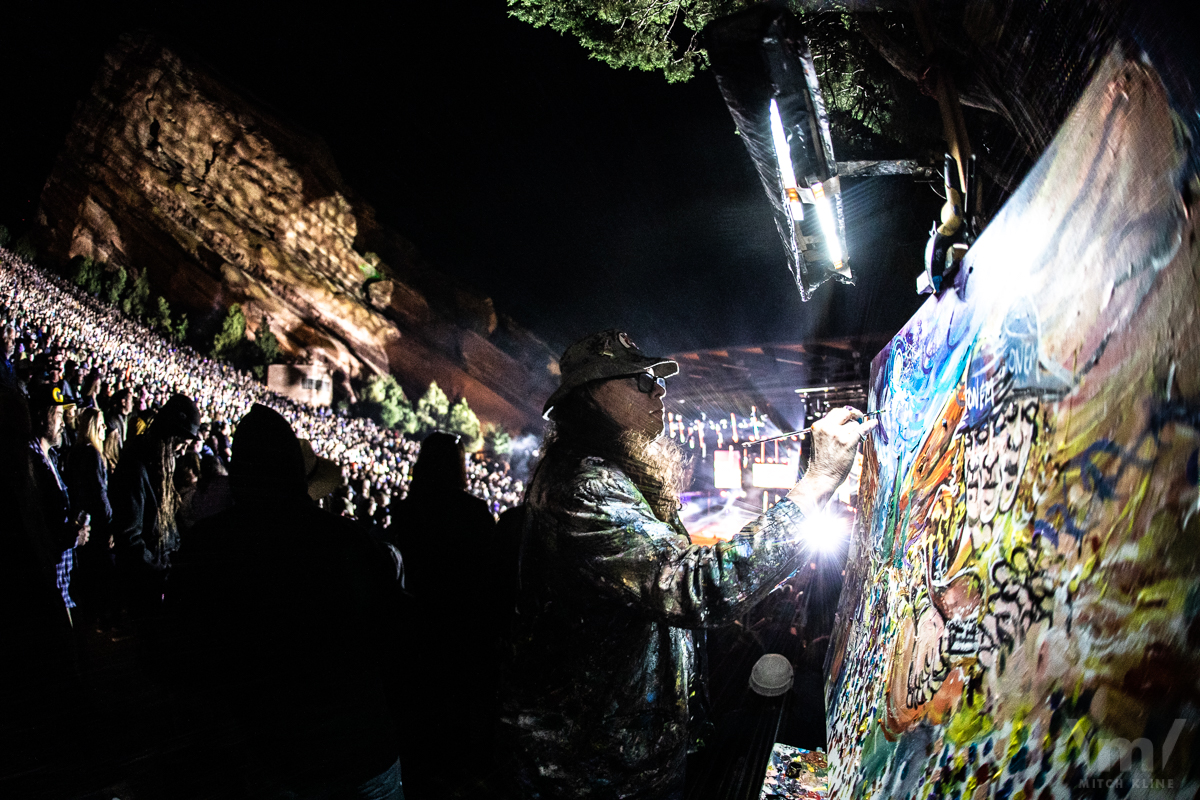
(24, 375)
(212, 494)
(506, 556)
(439, 512)
(37, 679)
(504, 571)
(289, 614)
(144, 505)
(69, 432)
(121, 426)
(8, 354)
(87, 482)
(71, 376)
(444, 535)
(89, 393)
(362, 501)
(65, 530)
(187, 475)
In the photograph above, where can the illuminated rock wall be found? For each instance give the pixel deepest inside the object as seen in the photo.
(1024, 601)
(168, 170)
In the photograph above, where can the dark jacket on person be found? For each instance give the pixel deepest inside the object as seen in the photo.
(422, 527)
(86, 475)
(595, 697)
(8, 373)
(506, 560)
(445, 537)
(134, 500)
(289, 615)
(55, 502)
(38, 681)
(87, 481)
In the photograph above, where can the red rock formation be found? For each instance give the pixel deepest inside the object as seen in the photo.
(167, 170)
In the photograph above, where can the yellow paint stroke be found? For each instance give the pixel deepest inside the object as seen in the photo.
(969, 723)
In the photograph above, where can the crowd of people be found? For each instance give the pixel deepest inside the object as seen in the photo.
(102, 356)
(316, 601)
(282, 562)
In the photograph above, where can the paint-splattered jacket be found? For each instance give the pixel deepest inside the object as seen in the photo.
(595, 699)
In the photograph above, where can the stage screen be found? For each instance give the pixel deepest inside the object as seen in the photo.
(774, 476)
(727, 469)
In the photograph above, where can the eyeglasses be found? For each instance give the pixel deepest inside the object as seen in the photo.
(646, 382)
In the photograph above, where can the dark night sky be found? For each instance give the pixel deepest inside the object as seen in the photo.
(578, 196)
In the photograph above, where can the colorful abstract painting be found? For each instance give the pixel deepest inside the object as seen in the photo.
(794, 773)
(1021, 616)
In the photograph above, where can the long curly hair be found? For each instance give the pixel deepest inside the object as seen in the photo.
(158, 455)
(579, 428)
(163, 472)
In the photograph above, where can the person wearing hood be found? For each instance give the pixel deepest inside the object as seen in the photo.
(144, 506)
(289, 615)
(445, 536)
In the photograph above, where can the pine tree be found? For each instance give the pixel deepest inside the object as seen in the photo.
(232, 333)
(181, 328)
(462, 420)
(135, 304)
(160, 317)
(497, 439)
(116, 285)
(25, 248)
(88, 275)
(432, 409)
(266, 342)
(387, 400)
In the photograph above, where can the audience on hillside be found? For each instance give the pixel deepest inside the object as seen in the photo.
(56, 334)
(251, 549)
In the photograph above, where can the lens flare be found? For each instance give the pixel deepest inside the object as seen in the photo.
(825, 531)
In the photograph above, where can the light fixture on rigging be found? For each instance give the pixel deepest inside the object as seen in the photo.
(765, 72)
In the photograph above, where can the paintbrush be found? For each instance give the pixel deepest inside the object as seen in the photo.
(790, 434)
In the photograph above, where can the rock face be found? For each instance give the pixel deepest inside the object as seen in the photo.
(167, 170)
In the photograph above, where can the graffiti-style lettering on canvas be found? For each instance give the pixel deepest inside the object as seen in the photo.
(1027, 586)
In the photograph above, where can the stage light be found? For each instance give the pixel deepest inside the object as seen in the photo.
(783, 155)
(765, 71)
(832, 243)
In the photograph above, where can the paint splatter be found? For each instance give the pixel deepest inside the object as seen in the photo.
(1024, 595)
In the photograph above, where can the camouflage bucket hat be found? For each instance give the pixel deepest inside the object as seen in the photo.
(608, 354)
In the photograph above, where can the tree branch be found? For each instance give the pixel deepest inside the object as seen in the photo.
(913, 67)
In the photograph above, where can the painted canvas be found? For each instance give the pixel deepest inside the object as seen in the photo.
(1022, 611)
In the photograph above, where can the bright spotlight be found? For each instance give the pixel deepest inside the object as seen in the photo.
(765, 70)
(825, 214)
(825, 531)
(783, 157)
